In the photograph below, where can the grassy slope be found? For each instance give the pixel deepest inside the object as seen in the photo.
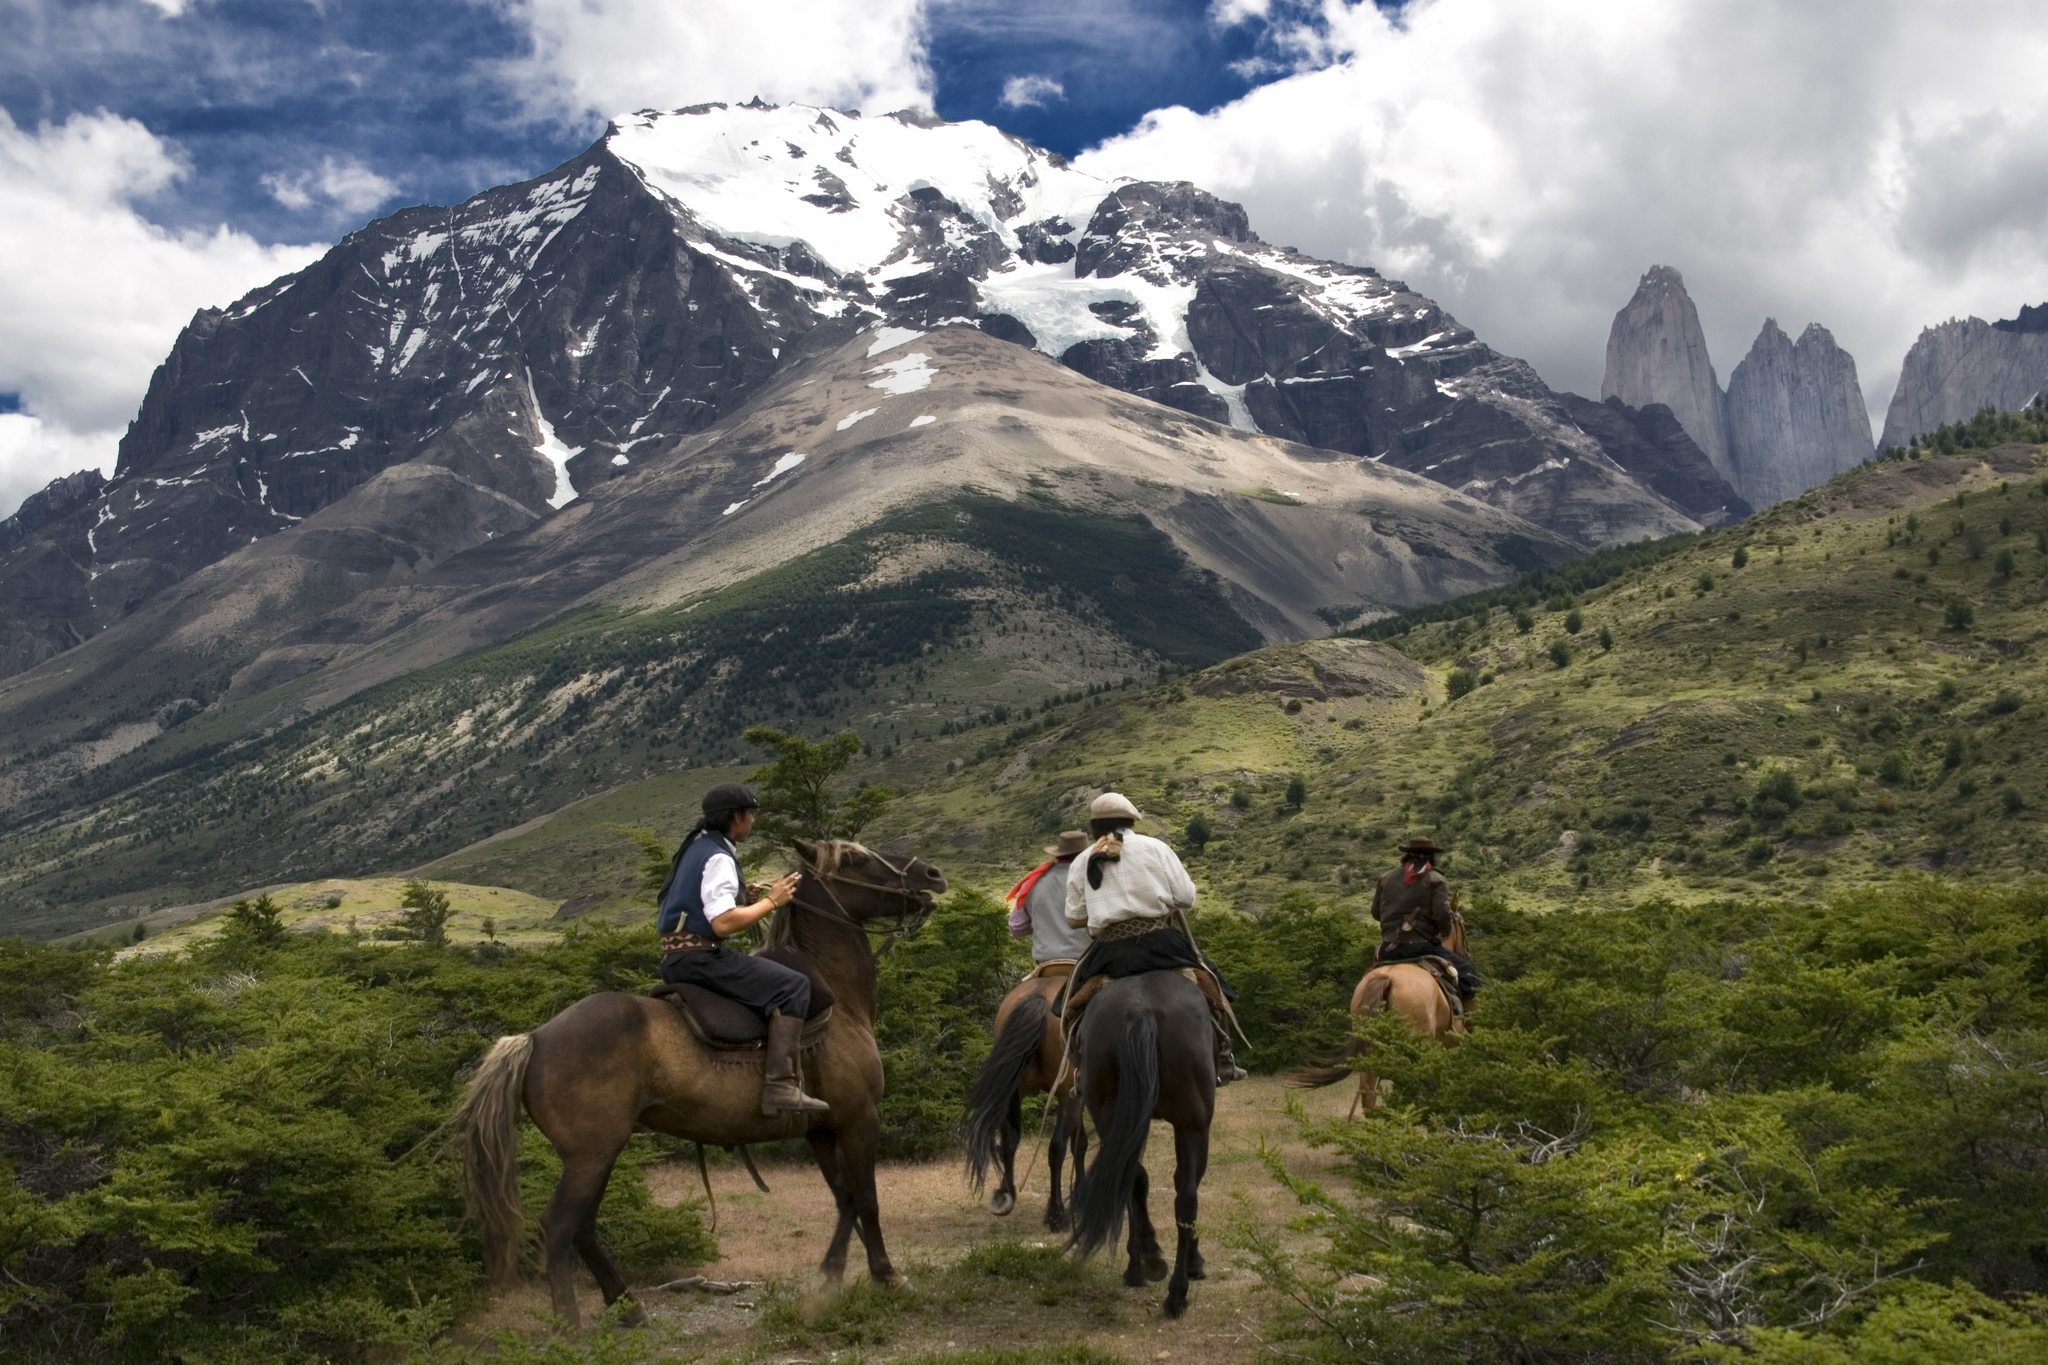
(1636, 770)
(1632, 771)
(908, 629)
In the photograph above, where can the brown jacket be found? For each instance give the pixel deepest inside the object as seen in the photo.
(1412, 912)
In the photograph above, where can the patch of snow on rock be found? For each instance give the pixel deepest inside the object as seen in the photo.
(853, 417)
(782, 466)
(888, 338)
(923, 420)
(905, 375)
(553, 450)
(733, 507)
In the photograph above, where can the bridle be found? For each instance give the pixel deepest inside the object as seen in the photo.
(917, 905)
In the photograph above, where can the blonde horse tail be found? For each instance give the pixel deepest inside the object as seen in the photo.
(488, 1131)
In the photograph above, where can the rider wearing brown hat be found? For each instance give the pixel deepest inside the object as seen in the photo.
(1413, 906)
(700, 907)
(1038, 904)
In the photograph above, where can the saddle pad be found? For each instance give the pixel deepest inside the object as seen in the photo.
(726, 1024)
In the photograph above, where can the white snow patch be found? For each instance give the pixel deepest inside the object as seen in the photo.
(620, 459)
(1232, 396)
(733, 507)
(412, 347)
(888, 338)
(553, 450)
(782, 466)
(853, 417)
(215, 433)
(923, 420)
(1432, 339)
(907, 374)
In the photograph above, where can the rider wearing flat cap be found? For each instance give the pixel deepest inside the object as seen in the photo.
(1126, 887)
(700, 907)
(1413, 906)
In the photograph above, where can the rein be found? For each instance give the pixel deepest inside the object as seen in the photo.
(912, 917)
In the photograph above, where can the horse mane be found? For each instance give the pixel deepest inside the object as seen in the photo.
(832, 856)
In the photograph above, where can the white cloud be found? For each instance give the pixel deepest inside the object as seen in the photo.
(603, 57)
(1019, 91)
(171, 8)
(94, 293)
(1873, 165)
(343, 183)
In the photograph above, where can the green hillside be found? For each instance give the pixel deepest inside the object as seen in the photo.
(928, 621)
(1844, 687)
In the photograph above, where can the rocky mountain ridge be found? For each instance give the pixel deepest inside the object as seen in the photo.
(1964, 365)
(1791, 417)
(566, 327)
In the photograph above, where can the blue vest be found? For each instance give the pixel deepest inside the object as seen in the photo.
(682, 900)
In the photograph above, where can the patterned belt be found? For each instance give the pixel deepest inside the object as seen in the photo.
(682, 941)
(1133, 928)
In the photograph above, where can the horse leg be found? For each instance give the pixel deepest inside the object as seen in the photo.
(1055, 1154)
(1005, 1198)
(857, 1156)
(1191, 1160)
(571, 1224)
(1146, 1266)
(825, 1147)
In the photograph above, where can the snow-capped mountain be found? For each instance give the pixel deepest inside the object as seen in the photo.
(542, 338)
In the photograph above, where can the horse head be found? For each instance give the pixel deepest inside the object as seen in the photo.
(867, 886)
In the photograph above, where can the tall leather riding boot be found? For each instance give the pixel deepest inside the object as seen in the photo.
(779, 1093)
(1227, 1069)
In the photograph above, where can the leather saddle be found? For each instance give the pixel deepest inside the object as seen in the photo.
(726, 1025)
(1053, 967)
(1440, 971)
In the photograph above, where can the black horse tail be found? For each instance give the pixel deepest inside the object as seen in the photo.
(995, 1088)
(1104, 1193)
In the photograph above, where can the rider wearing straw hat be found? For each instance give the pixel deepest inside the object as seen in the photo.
(1413, 906)
(1129, 889)
(1038, 904)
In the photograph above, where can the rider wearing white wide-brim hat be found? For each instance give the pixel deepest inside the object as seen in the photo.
(1127, 888)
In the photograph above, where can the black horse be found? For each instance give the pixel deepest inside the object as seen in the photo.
(1146, 1051)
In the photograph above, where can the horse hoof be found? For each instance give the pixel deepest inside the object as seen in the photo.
(1156, 1269)
(1056, 1222)
(892, 1279)
(1176, 1307)
(1001, 1202)
(633, 1315)
(1197, 1271)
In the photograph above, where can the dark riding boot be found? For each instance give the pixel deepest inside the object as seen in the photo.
(779, 1092)
(1227, 1069)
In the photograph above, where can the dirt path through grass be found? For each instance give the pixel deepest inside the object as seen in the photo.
(978, 1283)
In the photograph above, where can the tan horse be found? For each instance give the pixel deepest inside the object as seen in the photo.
(1409, 990)
(1024, 1061)
(612, 1062)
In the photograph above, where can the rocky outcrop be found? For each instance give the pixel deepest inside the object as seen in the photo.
(53, 500)
(1657, 354)
(1651, 445)
(1960, 367)
(1795, 414)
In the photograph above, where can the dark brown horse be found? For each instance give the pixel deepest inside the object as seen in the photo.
(612, 1062)
(1146, 1050)
(1024, 1061)
(1409, 990)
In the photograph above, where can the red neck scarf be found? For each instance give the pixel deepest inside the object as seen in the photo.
(1411, 873)
(1016, 894)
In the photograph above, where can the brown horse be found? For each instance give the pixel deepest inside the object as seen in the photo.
(1145, 1049)
(612, 1062)
(1409, 990)
(1024, 1061)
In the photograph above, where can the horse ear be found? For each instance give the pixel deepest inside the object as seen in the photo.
(806, 850)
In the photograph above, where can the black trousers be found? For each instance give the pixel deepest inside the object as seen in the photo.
(1468, 975)
(767, 986)
(1161, 950)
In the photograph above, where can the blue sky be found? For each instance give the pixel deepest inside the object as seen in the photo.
(1520, 161)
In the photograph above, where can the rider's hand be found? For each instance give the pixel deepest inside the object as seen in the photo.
(783, 891)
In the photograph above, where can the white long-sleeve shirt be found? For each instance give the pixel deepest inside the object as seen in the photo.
(719, 887)
(1147, 882)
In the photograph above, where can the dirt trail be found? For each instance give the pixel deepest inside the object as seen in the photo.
(931, 1222)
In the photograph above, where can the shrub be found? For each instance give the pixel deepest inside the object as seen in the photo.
(1892, 768)
(1197, 833)
(1524, 622)
(2005, 565)
(1459, 683)
(1959, 615)
(1297, 792)
(1705, 583)
(1606, 639)
(2012, 802)
(1574, 621)
(254, 922)
(1740, 558)
(1560, 653)
(426, 913)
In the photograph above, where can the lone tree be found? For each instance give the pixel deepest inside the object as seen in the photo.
(256, 921)
(426, 913)
(797, 788)
(1297, 792)
(1198, 832)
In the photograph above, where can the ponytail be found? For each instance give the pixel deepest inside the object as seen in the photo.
(677, 861)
